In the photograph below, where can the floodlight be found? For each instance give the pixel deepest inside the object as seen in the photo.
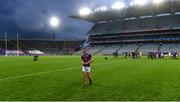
(157, 1)
(103, 8)
(118, 6)
(138, 2)
(54, 21)
(132, 3)
(84, 11)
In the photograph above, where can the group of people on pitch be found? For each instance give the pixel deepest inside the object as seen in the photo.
(157, 54)
(133, 55)
(86, 60)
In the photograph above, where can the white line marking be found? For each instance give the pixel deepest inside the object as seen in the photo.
(46, 72)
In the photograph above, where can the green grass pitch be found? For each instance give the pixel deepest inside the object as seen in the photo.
(60, 78)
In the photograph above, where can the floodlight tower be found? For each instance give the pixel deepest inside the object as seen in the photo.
(54, 22)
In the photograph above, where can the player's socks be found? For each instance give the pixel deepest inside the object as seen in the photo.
(90, 81)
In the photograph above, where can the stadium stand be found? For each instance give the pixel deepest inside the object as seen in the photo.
(176, 47)
(78, 52)
(96, 49)
(42, 47)
(135, 29)
(148, 48)
(128, 48)
(109, 50)
(167, 48)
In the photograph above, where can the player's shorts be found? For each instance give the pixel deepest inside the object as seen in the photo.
(86, 69)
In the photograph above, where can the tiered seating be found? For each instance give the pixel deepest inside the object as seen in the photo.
(128, 48)
(148, 48)
(78, 52)
(147, 23)
(166, 22)
(176, 47)
(100, 28)
(177, 18)
(109, 50)
(133, 25)
(56, 47)
(167, 47)
(115, 27)
(150, 23)
(96, 49)
(170, 47)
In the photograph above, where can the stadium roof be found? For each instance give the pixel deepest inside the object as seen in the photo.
(166, 7)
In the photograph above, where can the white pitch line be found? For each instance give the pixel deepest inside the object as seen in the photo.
(46, 72)
(28, 75)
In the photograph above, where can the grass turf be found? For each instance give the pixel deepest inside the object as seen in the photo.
(60, 78)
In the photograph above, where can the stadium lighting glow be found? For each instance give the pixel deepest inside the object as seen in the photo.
(138, 2)
(132, 3)
(118, 6)
(157, 1)
(84, 11)
(103, 8)
(54, 21)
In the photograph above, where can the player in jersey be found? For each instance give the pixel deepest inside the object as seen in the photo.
(86, 60)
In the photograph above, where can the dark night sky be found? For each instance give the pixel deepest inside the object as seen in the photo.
(31, 17)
